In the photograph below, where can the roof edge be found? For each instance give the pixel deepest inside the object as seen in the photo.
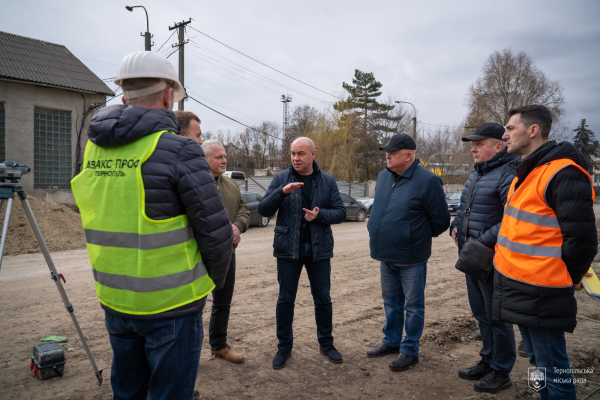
(38, 40)
(34, 83)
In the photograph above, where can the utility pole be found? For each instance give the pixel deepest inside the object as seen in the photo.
(181, 26)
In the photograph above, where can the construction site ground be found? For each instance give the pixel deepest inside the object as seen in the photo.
(30, 307)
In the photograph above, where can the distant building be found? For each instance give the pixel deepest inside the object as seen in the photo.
(47, 98)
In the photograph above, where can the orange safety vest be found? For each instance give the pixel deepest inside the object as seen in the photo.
(529, 247)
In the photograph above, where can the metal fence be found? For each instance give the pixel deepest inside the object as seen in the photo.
(260, 184)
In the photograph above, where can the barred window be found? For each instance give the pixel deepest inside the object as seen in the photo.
(2, 133)
(52, 149)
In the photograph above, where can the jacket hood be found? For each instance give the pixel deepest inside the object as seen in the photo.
(121, 124)
(498, 160)
(547, 152)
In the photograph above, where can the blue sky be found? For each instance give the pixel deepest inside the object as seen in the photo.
(424, 52)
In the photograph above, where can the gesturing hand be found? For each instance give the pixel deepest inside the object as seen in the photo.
(290, 187)
(579, 286)
(311, 214)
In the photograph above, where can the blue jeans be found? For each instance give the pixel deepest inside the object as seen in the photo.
(403, 289)
(288, 275)
(498, 337)
(548, 349)
(159, 357)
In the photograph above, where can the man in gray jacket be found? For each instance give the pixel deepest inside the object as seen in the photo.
(487, 187)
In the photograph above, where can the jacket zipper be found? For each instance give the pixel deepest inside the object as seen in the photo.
(295, 223)
(385, 208)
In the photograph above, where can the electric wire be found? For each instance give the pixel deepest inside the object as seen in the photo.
(276, 70)
(175, 51)
(259, 76)
(193, 54)
(165, 42)
(235, 120)
(229, 108)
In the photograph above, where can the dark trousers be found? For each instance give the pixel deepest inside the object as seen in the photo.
(154, 357)
(498, 337)
(219, 317)
(288, 275)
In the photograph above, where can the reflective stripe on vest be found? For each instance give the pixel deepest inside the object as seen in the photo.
(141, 266)
(529, 247)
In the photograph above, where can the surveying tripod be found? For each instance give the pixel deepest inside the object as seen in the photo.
(7, 193)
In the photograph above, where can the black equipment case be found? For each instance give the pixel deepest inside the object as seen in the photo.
(48, 360)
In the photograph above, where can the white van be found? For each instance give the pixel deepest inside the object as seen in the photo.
(235, 175)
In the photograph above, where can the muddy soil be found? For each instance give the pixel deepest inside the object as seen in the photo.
(60, 225)
(31, 308)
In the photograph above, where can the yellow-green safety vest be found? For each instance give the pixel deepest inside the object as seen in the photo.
(141, 266)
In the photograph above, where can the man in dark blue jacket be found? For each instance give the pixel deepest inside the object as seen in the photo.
(409, 209)
(308, 201)
(487, 185)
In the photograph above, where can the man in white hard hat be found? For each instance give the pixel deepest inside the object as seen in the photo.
(157, 232)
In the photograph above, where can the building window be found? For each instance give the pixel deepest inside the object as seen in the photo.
(52, 149)
(2, 133)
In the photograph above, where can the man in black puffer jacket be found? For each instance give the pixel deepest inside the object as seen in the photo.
(546, 244)
(157, 230)
(487, 185)
(308, 201)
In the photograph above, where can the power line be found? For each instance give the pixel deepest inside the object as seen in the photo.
(247, 70)
(235, 120)
(175, 51)
(192, 53)
(161, 46)
(276, 70)
(232, 109)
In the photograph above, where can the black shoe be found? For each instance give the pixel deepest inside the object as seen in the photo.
(331, 353)
(403, 362)
(196, 393)
(281, 358)
(476, 372)
(521, 350)
(383, 350)
(492, 382)
(477, 335)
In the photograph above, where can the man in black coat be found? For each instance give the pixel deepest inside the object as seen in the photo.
(485, 192)
(546, 244)
(308, 201)
(158, 352)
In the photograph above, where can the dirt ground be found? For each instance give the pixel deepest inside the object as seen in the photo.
(59, 223)
(31, 308)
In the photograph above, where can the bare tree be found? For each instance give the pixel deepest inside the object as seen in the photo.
(508, 81)
(443, 153)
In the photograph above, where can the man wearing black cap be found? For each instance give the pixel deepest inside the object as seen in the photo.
(485, 193)
(409, 209)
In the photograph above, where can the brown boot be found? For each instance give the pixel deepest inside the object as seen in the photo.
(228, 354)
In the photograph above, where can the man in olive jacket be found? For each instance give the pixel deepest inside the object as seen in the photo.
(239, 215)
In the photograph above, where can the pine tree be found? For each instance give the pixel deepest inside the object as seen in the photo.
(584, 142)
(371, 120)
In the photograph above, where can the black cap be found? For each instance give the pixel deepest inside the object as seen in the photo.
(486, 131)
(400, 141)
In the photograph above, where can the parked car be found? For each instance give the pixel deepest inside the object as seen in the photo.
(354, 209)
(367, 202)
(252, 199)
(453, 200)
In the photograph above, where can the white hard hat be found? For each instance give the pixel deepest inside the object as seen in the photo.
(148, 64)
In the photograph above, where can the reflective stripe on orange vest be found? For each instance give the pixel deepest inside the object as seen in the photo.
(529, 247)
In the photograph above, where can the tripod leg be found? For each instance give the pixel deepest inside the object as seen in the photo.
(5, 226)
(57, 281)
